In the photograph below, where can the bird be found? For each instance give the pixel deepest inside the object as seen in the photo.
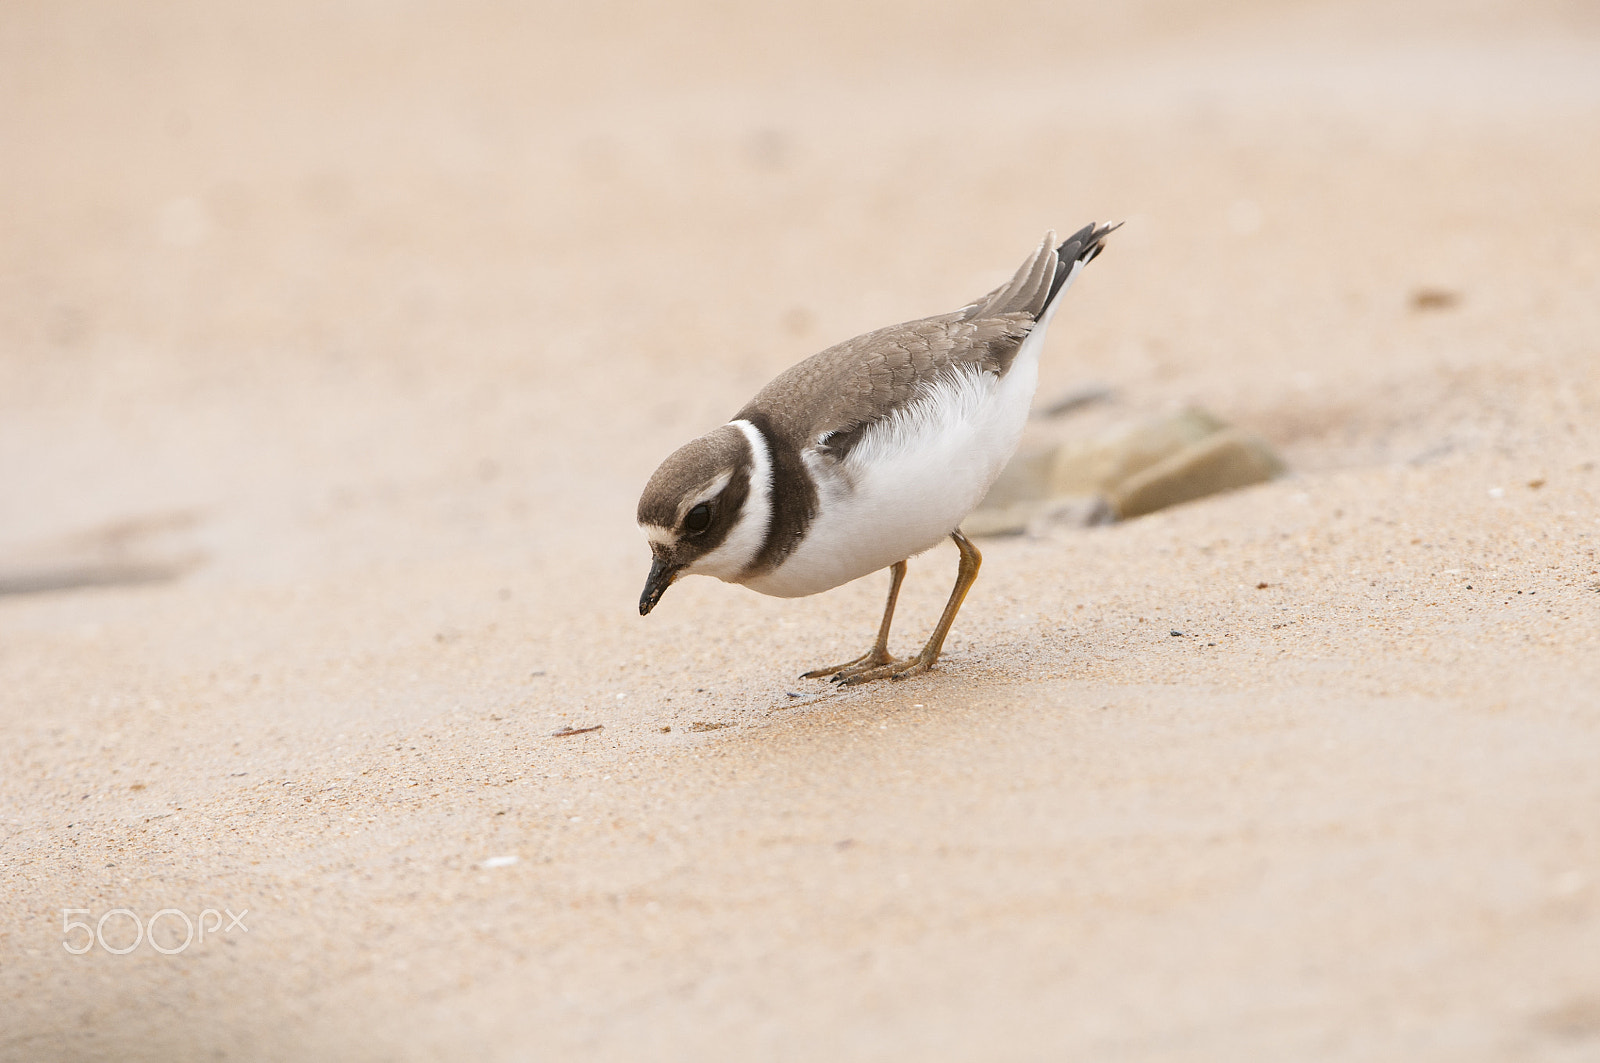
(863, 456)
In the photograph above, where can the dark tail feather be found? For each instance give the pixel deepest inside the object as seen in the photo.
(1081, 246)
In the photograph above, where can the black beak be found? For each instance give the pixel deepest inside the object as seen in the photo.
(656, 584)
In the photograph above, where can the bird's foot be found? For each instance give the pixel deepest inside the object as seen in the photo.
(891, 669)
(873, 658)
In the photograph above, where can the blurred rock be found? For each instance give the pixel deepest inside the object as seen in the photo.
(1223, 461)
(1123, 472)
(153, 548)
(1074, 400)
(1100, 465)
(1036, 517)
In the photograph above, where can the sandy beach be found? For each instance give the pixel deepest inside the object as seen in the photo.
(337, 341)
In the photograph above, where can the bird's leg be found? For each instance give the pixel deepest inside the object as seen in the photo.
(966, 575)
(879, 654)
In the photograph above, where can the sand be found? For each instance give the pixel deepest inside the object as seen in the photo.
(337, 341)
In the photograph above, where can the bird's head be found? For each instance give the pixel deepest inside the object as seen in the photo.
(705, 511)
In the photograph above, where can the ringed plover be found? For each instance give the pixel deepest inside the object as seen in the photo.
(863, 456)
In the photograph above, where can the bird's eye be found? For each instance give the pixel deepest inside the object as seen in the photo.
(699, 518)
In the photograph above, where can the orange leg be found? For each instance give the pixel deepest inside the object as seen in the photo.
(879, 654)
(877, 664)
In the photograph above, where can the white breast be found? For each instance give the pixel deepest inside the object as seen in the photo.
(912, 479)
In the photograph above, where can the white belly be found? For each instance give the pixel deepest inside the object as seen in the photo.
(912, 480)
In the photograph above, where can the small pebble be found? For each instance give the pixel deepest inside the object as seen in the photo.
(1434, 299)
